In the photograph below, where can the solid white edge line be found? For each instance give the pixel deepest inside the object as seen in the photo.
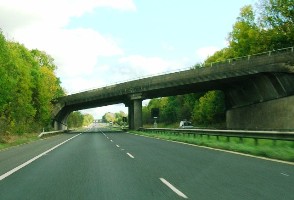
(173, 188)
(130, 155)
(227, 151)
(3, 176)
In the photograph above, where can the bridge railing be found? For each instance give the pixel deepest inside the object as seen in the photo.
(270, 135)
(212, 64)
(249, 57)
(43, 134)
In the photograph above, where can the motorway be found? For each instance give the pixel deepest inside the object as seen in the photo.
(104, 164)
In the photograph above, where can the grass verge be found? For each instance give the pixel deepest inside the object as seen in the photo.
(7, 141)
(281, 150)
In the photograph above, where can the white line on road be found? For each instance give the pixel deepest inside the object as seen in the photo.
(3, 176)
(117, 146)
(130, 155)
(173, 188)
(111, 141)
(284, 174)
(222, 150)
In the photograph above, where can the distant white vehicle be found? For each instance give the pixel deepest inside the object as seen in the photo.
(185, 124)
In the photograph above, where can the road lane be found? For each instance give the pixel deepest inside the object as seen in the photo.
(88, 167)
(92, 167)
(15, 156)
(207, 174)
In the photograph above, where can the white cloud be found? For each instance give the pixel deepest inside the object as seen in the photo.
(12, 12)
(42, 25)
(204, 52)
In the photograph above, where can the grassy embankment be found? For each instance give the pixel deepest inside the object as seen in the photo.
(281, 150)
(10, 140)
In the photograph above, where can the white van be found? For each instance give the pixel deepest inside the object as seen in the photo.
(185, 124)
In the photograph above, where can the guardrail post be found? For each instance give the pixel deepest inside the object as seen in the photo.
(255, 141)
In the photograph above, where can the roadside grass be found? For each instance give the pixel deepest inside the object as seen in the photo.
(11, 140)
(176, 125)
(281, 150)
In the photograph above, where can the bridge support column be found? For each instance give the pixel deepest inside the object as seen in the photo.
(135, 112)
(275, 114)
(130, 116)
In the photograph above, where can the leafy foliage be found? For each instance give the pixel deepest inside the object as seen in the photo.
(27, 85)
(114, 117)
(75, 120)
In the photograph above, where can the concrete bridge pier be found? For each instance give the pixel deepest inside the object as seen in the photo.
(135, 111)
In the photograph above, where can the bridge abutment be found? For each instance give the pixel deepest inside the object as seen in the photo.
(59, 126)
(277, 114)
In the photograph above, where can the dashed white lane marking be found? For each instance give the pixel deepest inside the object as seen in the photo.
(3, 176)
(122, 149)
(285, 174)
(117, 146)
(130, 155)
(111, 140)
(173, 188)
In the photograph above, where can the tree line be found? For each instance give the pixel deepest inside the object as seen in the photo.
(28, 83)
(116, 118)
(266, 26)
(77, 119)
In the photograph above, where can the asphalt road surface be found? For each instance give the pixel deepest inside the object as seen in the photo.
(103, 164)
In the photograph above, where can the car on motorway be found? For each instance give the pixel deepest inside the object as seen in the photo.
(185, 124)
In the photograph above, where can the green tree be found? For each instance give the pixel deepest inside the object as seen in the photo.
(108, 117)
(75, 120)
(88, 119)
(169, 111)
(47, 87)
(276, 18)
(27, 85)
(7, 87)
(210, 108)
(23, 111)
(245, 36)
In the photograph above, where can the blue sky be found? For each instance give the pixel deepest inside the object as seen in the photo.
(100, 42)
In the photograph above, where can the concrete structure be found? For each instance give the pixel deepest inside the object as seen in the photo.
(259, 91)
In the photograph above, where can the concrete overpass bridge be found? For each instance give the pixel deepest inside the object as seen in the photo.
(259, 91)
